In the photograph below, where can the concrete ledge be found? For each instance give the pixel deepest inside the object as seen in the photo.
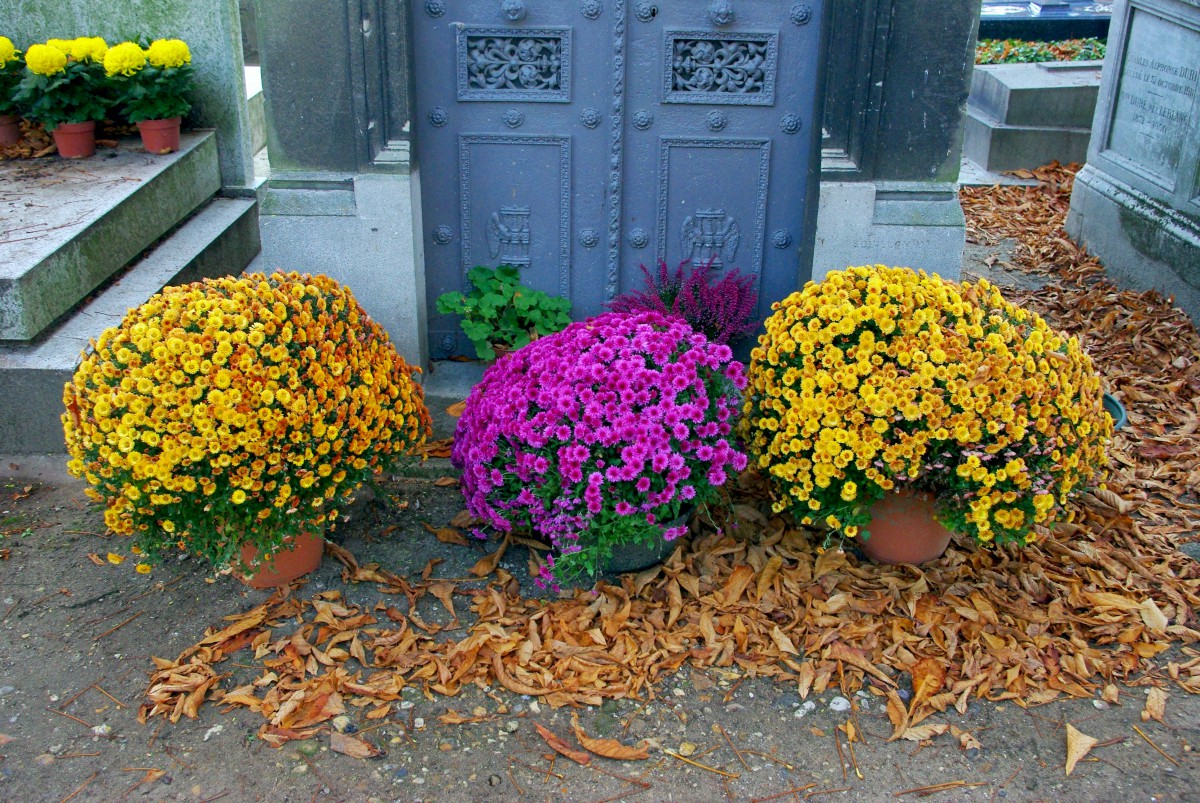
(74, 224)
(220, 240)
(1138, 239)
(1060, 95)
(1025, 115)
(907, 224)
(999, 146)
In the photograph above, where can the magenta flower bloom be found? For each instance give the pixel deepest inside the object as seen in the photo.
(599, 435)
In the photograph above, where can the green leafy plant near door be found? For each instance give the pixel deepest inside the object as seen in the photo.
(501, 312)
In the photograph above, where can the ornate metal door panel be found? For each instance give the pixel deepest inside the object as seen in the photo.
(579, 139)
(720, 158)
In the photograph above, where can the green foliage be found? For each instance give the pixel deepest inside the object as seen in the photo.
(155, 93)
(77, 94)
(500, 311)
(1016, 51)
(10, 79)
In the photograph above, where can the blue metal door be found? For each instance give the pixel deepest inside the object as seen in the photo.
(581, 139)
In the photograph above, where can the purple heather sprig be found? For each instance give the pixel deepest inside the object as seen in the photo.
(599, 434)
(723, 311)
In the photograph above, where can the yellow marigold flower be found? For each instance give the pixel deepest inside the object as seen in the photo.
(142, 568)
(115, 559)
(61, 45)
(89, 48)
(238, 496)
(7, 51)
(45, 60)
(126, 59)
(168, 53)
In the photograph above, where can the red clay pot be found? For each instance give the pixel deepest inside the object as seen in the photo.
(286, 565)
(10, 130)
(904, 530)
(160, 136)
(75, 140)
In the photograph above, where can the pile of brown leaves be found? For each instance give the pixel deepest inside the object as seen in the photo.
(1099, 604)
(34, 142)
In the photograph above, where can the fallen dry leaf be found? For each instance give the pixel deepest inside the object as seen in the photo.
(608, 748)
(561, 747)
(1078, 746)
(456, 409)
(446, 482)
(486, 565)
(928, 678)
(352, 746)
(1156, 705)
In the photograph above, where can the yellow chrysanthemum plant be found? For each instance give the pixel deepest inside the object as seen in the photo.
(880, 378)
(12, 68)
(64, 82)
(238, 411)
(153, 83)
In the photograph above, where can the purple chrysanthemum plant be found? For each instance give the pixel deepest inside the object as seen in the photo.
(600, 436)
(724, 311)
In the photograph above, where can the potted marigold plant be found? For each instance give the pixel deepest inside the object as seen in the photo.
(153, 86)
(12, 67)
(888, 386)
(225, 417)
(598, 437)
(64, 89)
(722, 309)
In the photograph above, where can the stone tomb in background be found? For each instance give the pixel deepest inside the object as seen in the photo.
(1136, 203)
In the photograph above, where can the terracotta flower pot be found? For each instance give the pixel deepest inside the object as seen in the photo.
(286, 565)
(160, 136)
(904, 530)
(75, 140)
(10, 130)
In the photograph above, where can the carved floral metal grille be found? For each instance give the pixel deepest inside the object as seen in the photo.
(494, 64)
(731, 69)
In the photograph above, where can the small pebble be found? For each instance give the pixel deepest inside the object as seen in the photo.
(806, 708)
(299, 769)
(6, 690)
(493, 780)
(734, 707)
(342, 723)
(1100, 704)
(406, 704)
(904, 693)
(419, 723)
(839, 704)
(512, 725)
(686, 749)
(418, 779)
(479, 711)
(679, 693)
(973, 753)
(44, 760)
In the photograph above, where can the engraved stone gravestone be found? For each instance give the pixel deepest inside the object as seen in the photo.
(1136, 203)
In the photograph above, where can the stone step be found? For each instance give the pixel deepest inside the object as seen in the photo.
(998, 146)
(1053, 94)
(221, 239)
(70, 225)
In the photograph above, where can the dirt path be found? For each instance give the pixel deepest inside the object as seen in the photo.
(73, 632)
